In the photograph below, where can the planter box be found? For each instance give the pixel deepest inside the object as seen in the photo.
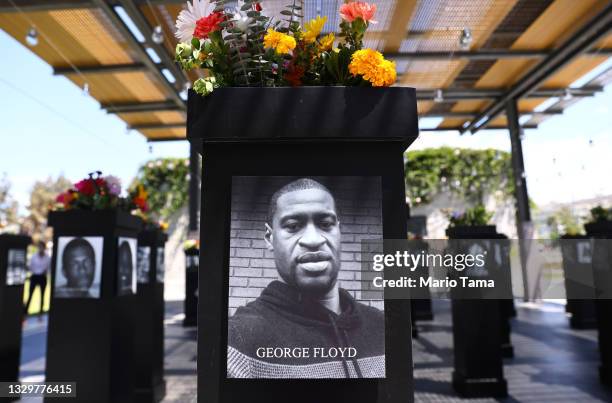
(471, 232)
(149, 383)
(330, 132)
(13, 265)
(90, 333)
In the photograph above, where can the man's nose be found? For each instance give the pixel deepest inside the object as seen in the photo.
(311, 238)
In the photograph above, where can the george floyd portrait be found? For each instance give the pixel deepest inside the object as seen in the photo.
(16, 267)
(126, 266)
(78, 267)
(143, 264)
(159, 275)
(294, 301)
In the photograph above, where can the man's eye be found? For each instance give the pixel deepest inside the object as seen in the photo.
(327, 224)
(292, 226)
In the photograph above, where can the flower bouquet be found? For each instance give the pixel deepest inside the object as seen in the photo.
(99, 192)
(243, 47)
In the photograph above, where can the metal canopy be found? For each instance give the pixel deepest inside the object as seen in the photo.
(534, 51)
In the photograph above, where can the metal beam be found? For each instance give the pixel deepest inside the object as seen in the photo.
(141, 22)
(458, 129)
(46, 5)
(483, 54)
(139, 49)
(581, 41)
(101, 69)
(163, 139)
(140, 107)
(471, 115)
(453, 95)
(155, 126)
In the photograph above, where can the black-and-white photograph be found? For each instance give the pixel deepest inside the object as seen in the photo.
(160, 264)
(126, 266)
(16, 267)
(295, 308)
(143, 264)
(78, 267)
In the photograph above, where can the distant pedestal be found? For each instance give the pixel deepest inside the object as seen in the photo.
(90, 334)
(149, 383)
(13, 251)
(477, 329)
(192, 259)
(602, 278)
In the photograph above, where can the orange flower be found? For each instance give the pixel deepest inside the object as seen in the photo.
(359, 9)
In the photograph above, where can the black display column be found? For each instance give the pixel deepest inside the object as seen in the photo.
(477, 328)
(13, 263)
(297, 132)
(192, 261)
(578, 276)
(91, 320)
(149, 383)
(602, 277)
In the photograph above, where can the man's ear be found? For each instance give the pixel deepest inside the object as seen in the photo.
(268, 237)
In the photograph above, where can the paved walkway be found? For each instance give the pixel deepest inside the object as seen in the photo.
(552, 362)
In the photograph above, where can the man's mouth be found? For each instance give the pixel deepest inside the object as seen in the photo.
(314, 262)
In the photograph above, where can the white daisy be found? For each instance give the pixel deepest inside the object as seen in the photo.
(187, 18)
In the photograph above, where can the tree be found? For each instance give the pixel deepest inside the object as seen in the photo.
(8, 206)
(42, 199)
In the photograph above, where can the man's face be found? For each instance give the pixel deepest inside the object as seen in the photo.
(305, 238)
(79, 268)
(125, 265)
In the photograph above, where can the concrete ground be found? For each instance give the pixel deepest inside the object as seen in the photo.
(552, 362)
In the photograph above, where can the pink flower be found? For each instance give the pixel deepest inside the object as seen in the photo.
(359, 9)
(114, 185)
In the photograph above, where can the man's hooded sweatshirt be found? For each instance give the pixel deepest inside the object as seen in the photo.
(282, 317)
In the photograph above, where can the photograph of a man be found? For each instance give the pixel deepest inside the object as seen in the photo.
(16, 267)
(303, 325)
(78, 267)
(143, 263)
(126, 266)
(160, 259)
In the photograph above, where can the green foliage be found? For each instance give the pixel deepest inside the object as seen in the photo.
(563, 222)
(166, 182)
(42, 200)
(476, 215)
(600, 213)
(469, 174)
(8, 206)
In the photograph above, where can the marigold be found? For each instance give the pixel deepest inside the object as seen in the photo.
(373, 67)
(327, 42)
(281, 43)
(313, 28)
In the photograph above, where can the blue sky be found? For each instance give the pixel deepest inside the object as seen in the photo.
(48, 127)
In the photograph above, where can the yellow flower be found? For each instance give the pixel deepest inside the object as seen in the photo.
(373, 67)
(327, 42)
(313, 29)
(142, 193)
(278, 41)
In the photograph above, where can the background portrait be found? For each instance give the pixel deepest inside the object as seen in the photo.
(16, 267)
(160, 264)
(78, 267)
(143, 261)
(252, 267)
(126, 265)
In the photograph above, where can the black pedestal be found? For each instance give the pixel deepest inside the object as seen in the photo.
(192, 261)
(90, 340)
(297, 132)
(602, 278)
(149, 383)
(13, 263)
(578, 276)
(477, 335)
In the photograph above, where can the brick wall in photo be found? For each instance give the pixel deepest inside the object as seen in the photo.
(252, 266)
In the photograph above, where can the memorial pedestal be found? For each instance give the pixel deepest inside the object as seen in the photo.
(477, 329)
(578, 276)
(90, 333)
(13, 263)
(192, 261)
(602, 278)
(149, 383)
(297, 132)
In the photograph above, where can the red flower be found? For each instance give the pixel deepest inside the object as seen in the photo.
(141, 203)
(294, 75)
(206, 25)
(257, 7)
(86, 187)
